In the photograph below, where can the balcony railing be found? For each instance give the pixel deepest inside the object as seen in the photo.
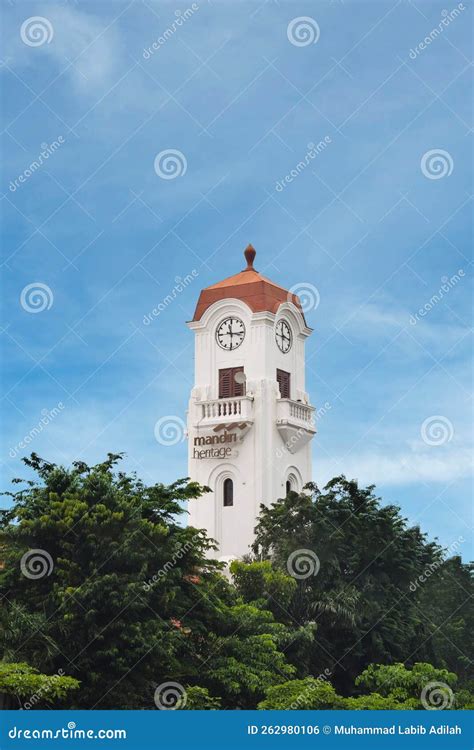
(295, 423)
(295, 411)
(239, 407)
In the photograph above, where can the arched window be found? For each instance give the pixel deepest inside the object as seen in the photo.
(228, 492)
(292, 484)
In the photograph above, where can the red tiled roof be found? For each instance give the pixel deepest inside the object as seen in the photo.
(258, 292)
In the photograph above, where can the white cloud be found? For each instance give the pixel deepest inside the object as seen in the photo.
(436, 465)
(75, 35)
(379, 319)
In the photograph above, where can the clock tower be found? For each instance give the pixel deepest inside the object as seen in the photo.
(250, 421)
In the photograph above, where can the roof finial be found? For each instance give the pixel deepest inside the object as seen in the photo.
(249, 254)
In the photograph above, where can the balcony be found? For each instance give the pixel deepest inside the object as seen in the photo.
(236, 409)
(295, 423)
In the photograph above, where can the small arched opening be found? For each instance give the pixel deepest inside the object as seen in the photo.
(292, 484)
(228, 492)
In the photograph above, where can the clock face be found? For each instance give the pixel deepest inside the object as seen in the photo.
(283, 336)
(230, 333)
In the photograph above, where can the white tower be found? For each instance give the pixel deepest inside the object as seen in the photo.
(249, 421)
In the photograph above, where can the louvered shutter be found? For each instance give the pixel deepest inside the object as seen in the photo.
(228, 386)
(224, 383)
(283, 379)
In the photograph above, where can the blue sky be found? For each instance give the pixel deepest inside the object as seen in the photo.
(375, 223)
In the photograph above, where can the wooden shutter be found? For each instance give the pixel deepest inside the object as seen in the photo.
(228, 386)
(224, 383)
(283, 379)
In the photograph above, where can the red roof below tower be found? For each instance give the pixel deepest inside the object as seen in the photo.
(258, 292)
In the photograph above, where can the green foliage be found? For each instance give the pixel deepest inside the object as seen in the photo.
(399, 685)
(25, 631)
(465, 699)
(395, 686)
(307, 694)
(376, 702)
(267, 588)
(198, 699)
(259, 581)
(134, 600)
(392, 687)
(108, 535)
(396, 679)
(23, 681)
(364, 599)
(239, 654)
(445, 605)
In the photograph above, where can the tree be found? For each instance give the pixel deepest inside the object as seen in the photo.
(445, 605)
(100, 579)
(20, 680)
(104, 539)
(24, 631)
(125, 596)
(376, 702)
(307, 694)
(421, 687)
(198, 699)
(263, 586)
(359, 594)
(392, 687)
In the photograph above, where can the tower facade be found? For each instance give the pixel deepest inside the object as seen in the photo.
(250, 421)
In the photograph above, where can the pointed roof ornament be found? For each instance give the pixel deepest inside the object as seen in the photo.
(250, 254)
